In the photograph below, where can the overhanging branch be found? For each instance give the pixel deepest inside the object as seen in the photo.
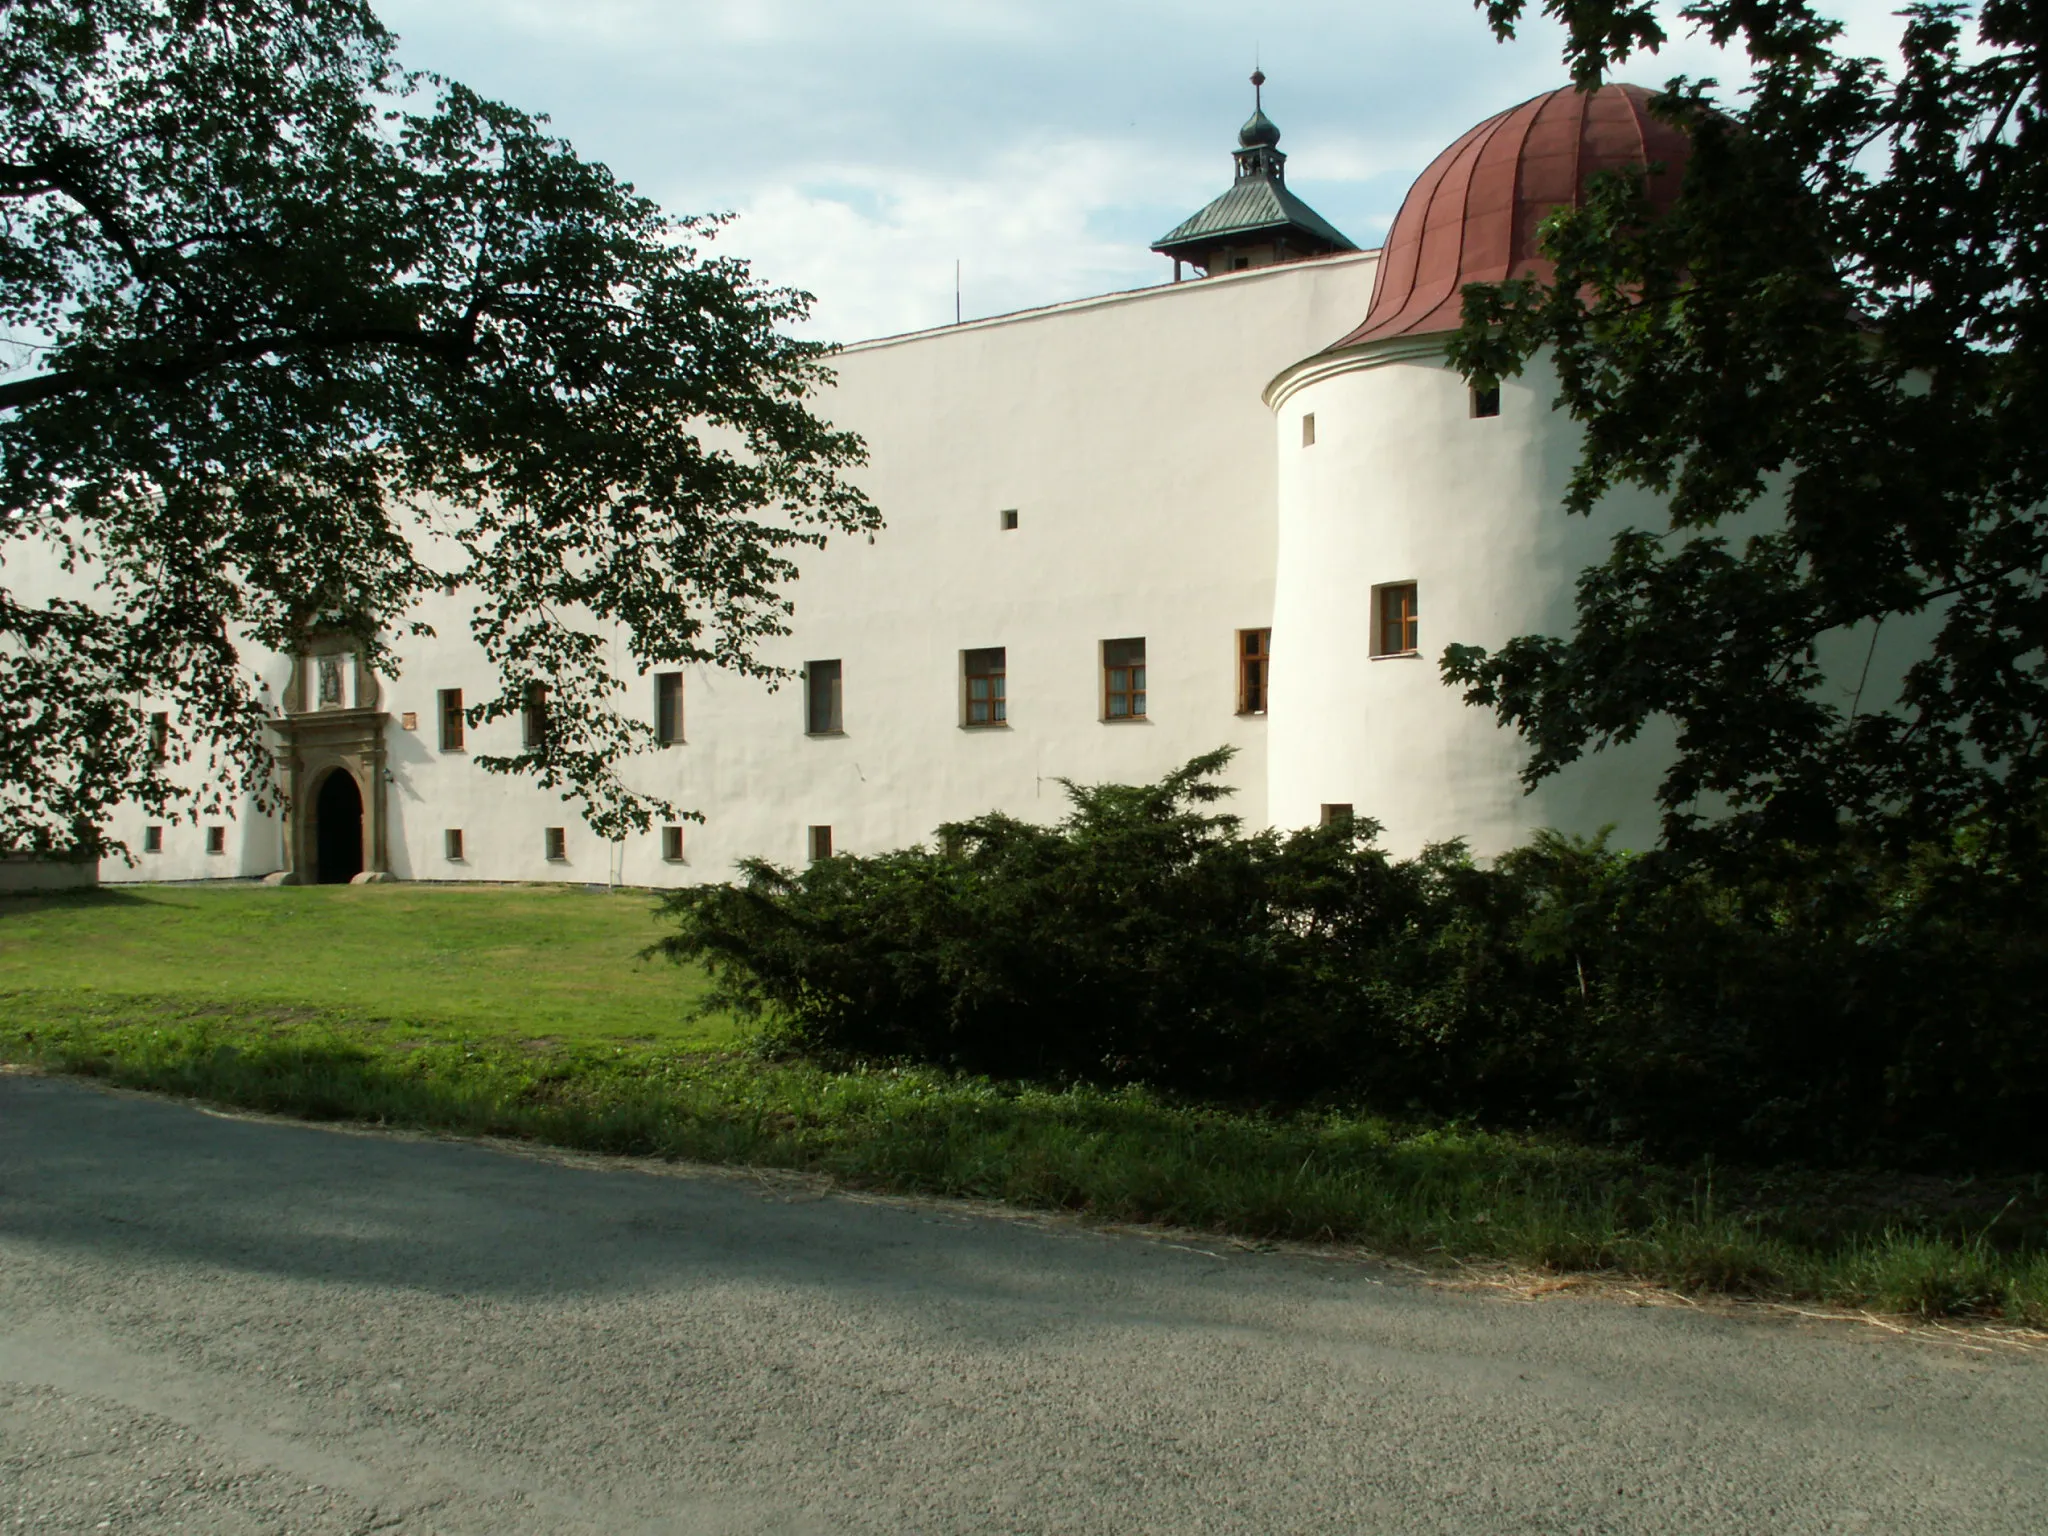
(118, 377)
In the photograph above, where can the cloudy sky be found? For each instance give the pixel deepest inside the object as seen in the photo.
(867, 145)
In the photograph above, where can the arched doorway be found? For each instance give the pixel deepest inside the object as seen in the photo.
(338, 816)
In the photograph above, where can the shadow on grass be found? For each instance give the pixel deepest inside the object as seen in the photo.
(1114, 1155)
(85, 898)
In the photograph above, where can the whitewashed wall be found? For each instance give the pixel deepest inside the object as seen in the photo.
(1404, 484)
(1128, 434)
(1158, 495)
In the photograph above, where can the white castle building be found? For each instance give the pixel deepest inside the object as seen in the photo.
(1247, 506)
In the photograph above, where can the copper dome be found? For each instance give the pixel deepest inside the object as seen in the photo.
(1472, 216)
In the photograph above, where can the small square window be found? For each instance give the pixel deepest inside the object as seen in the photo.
(1308, 430)
(159, 737)
(451, 719)
(1254, 659)
(1395, 630)
(451, 841)
(1486, 401)
(822, 698)
(668, 708)
(558, 845)
(1337, 815)
(216, 839)
(1009, 519)
(1123, 679)
(672, 844)
(410, 720)
(820, 843)
(984, 673)
(152, 839)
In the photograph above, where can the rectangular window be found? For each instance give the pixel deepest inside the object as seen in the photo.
(1336, 815)
(1009, 519)
(451, 843)
(1254, 653)
(534, 717)
(1308, 430)
(988, 700)
(558, 845)
(451, 719)
(159, 737)
(822, 715)
(1394, 620)
(1486, 402)
(821, 843)
(672, 844)
(216, 839)
(152, 839)
(668, 708)
(410, 720)
(1123, 679)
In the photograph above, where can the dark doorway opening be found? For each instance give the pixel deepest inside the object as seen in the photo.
(339, 823)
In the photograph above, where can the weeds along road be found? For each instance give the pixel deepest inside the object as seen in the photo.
(225, 1325)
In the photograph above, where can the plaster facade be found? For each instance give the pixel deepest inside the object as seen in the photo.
(1150, 448)
(1174, 466)
(1405, 484)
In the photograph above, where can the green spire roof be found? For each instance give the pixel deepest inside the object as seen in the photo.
(1258, 204)
(1255, 206)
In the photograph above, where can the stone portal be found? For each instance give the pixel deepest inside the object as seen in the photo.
(331, 747)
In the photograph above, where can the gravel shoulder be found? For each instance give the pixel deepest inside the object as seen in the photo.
(223, 1324)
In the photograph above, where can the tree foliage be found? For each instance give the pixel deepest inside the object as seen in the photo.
(1846, 309)
(300, 340)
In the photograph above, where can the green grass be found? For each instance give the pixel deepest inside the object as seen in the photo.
(482, 962)
(524, 1012)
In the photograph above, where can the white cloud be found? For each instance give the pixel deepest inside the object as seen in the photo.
(877, 245)
(1044, 143)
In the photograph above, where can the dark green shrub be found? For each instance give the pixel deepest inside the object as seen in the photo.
(1827, 1005)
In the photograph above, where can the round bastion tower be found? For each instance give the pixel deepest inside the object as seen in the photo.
(1415, 512)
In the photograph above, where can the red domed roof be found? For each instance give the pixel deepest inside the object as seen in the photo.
(1472, 216)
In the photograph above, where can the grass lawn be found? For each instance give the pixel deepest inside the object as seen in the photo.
(506, 963)
(525, 1012)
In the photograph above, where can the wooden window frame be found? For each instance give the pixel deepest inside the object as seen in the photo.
(452, 722)
(818, 842)
(834, 713)
(668, 702)
(997, 697)
(1131, 690)
(216, 840)
(153, 839)
(1396, 619)
(1254, 670)
(555, 840)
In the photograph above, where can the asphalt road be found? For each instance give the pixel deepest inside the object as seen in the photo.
(224, 1325)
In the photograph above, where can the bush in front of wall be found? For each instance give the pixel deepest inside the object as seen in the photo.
(1827, 1006)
